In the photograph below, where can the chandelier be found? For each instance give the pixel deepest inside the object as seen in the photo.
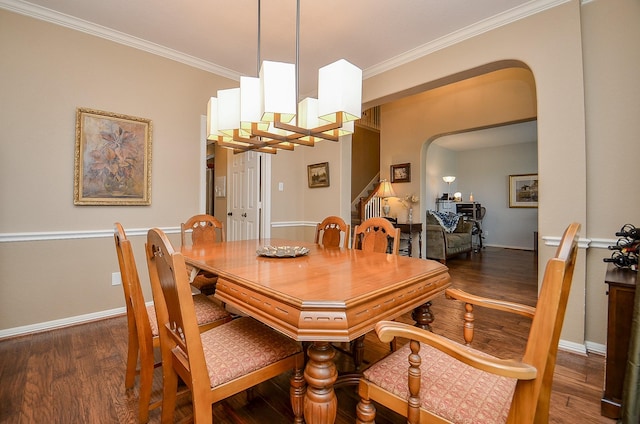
(264, 114)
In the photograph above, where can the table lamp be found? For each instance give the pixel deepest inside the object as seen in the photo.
(449, 179)
(384, 192)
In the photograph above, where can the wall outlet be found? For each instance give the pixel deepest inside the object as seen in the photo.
(116, 279)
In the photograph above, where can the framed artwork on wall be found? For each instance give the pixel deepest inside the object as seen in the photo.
(401, 173)
(318, 175)
(112, 159)
(523, 191)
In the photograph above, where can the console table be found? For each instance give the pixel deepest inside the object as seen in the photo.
(410, 229)
(622, 286)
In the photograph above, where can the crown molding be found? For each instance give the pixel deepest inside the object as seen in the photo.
(67, 21)
(499, 20)
(48, 15)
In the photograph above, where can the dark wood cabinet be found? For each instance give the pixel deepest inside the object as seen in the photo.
(622, 286)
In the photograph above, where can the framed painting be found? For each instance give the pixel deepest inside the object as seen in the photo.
(112, 159)
(318, 175)
(523, 191)
(401, 173)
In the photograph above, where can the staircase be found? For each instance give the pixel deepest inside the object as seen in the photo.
(366, 205)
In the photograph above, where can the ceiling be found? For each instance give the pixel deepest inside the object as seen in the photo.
(525, 132)
(221, 35)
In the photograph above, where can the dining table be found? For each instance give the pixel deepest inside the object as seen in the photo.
(319, 295)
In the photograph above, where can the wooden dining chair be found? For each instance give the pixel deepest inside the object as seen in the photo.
(435, 380)
(143, 327)
(333, 232)
(201, 229)
(374, 235)
(222, 361)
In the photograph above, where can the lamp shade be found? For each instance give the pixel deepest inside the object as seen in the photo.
(228, 110)
(449, 179)
(278, 88)
(340, 91)
(212, 119)
(385, 190)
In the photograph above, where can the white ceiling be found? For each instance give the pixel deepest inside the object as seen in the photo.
(221, 35)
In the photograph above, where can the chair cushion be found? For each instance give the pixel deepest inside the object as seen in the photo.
(206, 312)
(449, 388)
(242, 346)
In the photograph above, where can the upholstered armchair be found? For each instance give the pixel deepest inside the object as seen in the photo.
(447, 235)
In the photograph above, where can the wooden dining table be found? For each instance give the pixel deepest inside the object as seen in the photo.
(326, 295)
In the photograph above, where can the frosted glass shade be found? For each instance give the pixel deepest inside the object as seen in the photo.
(340, 91)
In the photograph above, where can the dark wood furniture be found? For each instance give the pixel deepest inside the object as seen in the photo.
(329, 295)
(410, 229)
(622, 286)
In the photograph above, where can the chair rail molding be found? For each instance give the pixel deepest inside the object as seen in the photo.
(70, 235)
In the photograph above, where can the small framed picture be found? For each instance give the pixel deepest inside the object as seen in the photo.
(401, 173)
(523, 191)
(318, 175)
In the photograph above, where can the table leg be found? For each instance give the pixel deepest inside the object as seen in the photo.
(420, 244)
(320, 404)
(423, 316)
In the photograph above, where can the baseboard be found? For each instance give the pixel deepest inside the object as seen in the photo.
(582, 349)
(60, 323)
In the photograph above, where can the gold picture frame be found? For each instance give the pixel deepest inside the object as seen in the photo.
(112, 159)
(523, 191)
(318, 175)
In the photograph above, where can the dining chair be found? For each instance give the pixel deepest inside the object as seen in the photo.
(374, 234)
(203, 228)
(222, 361)
(333, 232)
(143, 327)
(433, 379)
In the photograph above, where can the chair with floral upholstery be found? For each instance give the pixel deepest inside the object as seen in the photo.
(432, 379)
(220, 362)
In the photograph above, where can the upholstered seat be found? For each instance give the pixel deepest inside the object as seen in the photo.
(451, 389)
(217, 363)
(436, 380)
(444, 242)
(142, 323)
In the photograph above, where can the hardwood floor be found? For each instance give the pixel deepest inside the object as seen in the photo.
(76, 374)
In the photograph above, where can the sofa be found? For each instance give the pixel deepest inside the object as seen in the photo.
(443, 243)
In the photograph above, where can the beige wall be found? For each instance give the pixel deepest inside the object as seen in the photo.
(47, 72)
(585, 73)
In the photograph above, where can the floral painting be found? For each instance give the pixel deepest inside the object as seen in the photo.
(112, 159)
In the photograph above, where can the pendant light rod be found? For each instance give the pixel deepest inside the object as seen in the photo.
(259, 23)
(298, 61)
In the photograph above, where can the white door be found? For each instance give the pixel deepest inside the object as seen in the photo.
(243, 217)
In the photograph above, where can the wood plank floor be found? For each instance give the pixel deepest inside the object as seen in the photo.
(76, 374)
